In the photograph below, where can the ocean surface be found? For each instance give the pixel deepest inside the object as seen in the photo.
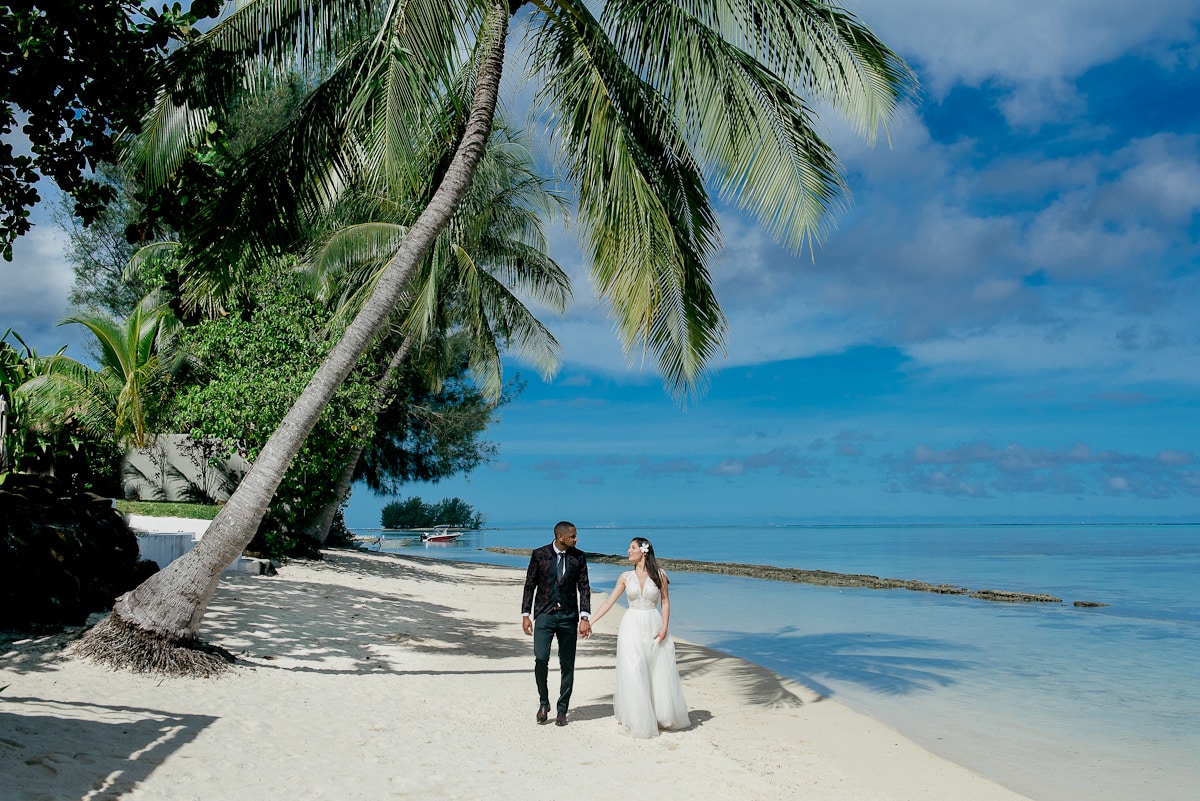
(1057, 702)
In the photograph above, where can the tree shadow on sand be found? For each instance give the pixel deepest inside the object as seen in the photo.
(73, 749)
(341, 630)
(405, 566)
(881, 662)
(35, 653)
(754, 684)
(336, 628)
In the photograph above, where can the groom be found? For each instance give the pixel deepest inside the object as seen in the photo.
(557, 595)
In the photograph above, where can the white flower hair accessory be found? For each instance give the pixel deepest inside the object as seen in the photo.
(645, 546)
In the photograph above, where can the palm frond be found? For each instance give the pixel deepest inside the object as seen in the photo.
(67, 392)
(495, 233)
(171, 130)
(149, 257)
(253, 41)
(642, 206)
(112, 401)
(817, 49)
(516, 327)
(377, 67)
(756, 137)
(346, 267)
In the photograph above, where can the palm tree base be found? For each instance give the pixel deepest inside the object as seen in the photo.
(118, 644)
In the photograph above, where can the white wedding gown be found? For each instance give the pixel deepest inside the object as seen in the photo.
(648, 695)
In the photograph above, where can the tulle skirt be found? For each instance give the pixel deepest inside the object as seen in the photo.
(648, 695)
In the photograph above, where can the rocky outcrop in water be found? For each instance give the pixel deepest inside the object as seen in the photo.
(1015, 597)
(824, 577)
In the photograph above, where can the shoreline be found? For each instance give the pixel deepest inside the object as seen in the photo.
(373, 675)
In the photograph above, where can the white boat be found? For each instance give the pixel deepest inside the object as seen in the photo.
(441, 534)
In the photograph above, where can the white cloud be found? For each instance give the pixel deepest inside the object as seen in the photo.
(1160, 182)
(34, 287)
(1030, 47)
(1091, 339)
(974, 468)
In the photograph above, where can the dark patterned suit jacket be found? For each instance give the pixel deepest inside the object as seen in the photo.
(575, 593)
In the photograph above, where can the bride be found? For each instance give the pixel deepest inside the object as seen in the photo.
(648, 695)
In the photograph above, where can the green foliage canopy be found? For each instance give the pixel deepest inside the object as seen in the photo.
(246, 371)
(76, 71)
(426, 433)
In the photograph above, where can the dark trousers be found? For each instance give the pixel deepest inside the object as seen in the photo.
(564, 626)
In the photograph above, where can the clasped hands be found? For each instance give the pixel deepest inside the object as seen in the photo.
(585, 627)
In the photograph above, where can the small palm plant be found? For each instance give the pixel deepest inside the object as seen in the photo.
(22, 439)
(116, 401)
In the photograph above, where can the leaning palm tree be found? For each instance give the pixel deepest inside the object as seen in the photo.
(646, 101)
(113, 402)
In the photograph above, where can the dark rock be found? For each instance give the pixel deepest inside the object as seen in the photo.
(1015, 597)
(1089, 604)
(824, 577)
(62, 555)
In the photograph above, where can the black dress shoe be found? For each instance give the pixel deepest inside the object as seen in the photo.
(543, 714)
(561, 720)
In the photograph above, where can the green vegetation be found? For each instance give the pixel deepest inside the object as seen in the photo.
(29, 444)
(78, 71)
(416, 513)
(193, 511)
(117, 401)
(245, 352)
(245, 369)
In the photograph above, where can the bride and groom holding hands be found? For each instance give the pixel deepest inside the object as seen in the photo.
(556, 605)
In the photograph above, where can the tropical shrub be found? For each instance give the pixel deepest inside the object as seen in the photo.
(245, 371)
(30, 443)
(121, 399)
(63, 554)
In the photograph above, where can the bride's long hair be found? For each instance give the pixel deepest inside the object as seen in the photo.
(651, 563)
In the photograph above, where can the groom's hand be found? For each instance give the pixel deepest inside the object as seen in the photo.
(585, 628)
(526, 625)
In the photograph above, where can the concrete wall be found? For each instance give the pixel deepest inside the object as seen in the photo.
(164, 549)
(178, 468)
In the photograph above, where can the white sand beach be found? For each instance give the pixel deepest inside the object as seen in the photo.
(370, 676)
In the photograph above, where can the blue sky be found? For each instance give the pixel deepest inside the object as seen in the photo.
(1002, 326)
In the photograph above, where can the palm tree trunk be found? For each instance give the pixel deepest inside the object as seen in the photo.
(167, 608)
(320, 531)
(324, 522)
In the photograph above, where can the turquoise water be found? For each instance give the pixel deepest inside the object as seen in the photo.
(1056, 702)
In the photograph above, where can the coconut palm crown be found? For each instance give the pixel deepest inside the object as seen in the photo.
(652, 107)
